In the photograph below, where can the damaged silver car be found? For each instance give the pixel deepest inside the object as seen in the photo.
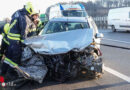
(64, 49)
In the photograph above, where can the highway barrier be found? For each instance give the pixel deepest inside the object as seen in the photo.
(101, 22)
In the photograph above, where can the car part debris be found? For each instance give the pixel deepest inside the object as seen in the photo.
(34, 65)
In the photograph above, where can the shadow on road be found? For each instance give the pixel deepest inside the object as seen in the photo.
(104, 86)
(110, 31)
(122, 32)
(34, 85)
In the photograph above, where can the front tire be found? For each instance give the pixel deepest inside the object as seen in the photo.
(113, 28)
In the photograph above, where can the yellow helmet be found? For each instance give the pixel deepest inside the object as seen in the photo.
(29, 8)
(6, 28)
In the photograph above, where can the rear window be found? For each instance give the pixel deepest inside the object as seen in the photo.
(74, 13)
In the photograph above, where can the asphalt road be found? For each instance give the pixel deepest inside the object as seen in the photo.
(116, 71)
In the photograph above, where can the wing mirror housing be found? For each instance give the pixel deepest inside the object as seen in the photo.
(99, 35)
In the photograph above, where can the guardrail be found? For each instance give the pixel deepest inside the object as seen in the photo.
(101, 22)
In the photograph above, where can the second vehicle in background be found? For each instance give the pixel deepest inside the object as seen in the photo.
(67, 10)
(119, 19)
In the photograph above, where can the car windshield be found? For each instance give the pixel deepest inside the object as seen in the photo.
(74, 13)
(53, 27)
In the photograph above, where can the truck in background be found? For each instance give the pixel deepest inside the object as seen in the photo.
(119, 19)
(67, 10)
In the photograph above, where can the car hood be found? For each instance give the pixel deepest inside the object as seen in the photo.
(61, 42)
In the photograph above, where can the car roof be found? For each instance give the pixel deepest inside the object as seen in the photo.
(70, 19)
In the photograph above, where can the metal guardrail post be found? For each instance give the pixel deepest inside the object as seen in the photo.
(101, 22)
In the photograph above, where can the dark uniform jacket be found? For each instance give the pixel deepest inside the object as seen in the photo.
(20, 25)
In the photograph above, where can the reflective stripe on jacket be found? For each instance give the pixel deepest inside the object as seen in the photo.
(19, 25)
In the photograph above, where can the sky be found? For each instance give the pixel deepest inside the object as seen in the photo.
(8, 7)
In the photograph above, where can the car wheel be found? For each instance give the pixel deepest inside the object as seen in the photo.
(113, 28)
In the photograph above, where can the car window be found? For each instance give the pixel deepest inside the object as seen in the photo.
(54, 27)
(74, 13)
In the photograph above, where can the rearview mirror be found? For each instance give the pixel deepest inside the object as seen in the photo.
(99, 35)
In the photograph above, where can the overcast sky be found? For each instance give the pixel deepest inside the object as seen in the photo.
(8, 7)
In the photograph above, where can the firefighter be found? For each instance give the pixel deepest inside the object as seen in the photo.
(37, 25)
(33, 28)
(4, 43)
(4, 46)
(19, 28)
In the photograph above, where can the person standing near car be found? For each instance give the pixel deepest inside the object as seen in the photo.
(19, 28)
(4, 46)
(33, 28)
(37, 25)
(4, 43)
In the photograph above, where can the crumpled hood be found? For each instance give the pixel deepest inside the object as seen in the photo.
(61, 42)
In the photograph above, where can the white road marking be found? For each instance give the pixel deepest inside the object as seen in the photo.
(116, 73)
(116, 40)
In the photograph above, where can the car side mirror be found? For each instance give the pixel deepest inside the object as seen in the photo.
(99, 35)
